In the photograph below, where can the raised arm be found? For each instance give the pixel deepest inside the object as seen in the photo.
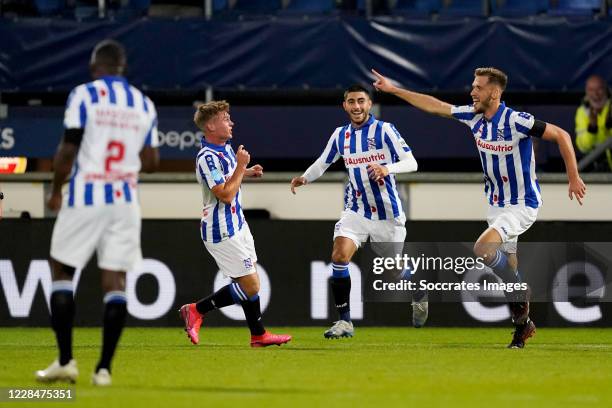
(576, 187)
(423, 102)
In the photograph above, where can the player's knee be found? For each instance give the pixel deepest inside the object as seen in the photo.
(62, 271)
(251, 288)
(339, 256)
(482, 250)
(249, 285)
(113, 281)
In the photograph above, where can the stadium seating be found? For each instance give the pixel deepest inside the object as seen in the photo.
(309, 7)
(49, 7)
(577, 8)
(257, 7)
(518, 8)
(463, 8)
(417, 8)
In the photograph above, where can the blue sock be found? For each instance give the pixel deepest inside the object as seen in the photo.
(502, 268)
(341, 288)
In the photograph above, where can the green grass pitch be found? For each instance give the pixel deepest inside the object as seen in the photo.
(379, 367)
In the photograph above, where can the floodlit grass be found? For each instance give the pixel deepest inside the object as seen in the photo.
(378, 367)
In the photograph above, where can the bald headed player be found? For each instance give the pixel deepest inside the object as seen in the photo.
(110, 135)
(503, 139)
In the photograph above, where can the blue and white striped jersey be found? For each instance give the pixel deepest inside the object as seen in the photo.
(375, 142)
(214, 166)
(506, 154)
(117, 120)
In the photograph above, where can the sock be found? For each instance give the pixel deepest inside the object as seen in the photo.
(341, 288)
(115, 311)
(417, 295)
(62, 317)
(252, 312)
(221, 298)
(502, 268)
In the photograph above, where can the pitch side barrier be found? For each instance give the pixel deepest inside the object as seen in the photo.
(426, 196)
(567, 265)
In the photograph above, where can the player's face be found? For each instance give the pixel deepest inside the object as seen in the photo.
(357, 105)
(223, 125)
(482, 94)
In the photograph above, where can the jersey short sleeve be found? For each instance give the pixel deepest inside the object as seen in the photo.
(523, 122)
(210, 170)
(152, 138)
(75, 115)
(396, 143)
(464, 114)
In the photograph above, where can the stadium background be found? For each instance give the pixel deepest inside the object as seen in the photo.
(282, 65)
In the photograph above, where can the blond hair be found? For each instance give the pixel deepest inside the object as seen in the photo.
(496, 76)
(207, 111)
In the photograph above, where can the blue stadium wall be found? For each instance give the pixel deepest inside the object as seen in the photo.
(293, 256)
(538, 54)
(35, 132)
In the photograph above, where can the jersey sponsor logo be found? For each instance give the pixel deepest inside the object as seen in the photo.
(365, 158)
(493, 147)
(111, 176)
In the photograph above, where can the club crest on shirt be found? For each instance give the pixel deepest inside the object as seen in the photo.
(371, 143)
(500, 135)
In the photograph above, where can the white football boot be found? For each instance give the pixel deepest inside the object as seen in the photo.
(57, 372)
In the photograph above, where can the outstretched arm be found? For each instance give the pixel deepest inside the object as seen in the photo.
(316, 170)
(423, 102)
(577, 187)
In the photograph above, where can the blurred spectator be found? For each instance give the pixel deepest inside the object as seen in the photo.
(594, 120)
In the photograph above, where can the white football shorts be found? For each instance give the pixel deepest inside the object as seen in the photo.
(511, 222)
(235, 256)
(358, 228)
(113, 231)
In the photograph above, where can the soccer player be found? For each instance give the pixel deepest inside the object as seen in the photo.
(503, 139)
(111, 131)
(373, 152)
(223, 229)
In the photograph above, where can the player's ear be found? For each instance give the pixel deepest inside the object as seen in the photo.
(496, 92)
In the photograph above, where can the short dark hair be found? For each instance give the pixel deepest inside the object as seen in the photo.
(207, 111)
(109, 54)
(496, 76)
(357, 88)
